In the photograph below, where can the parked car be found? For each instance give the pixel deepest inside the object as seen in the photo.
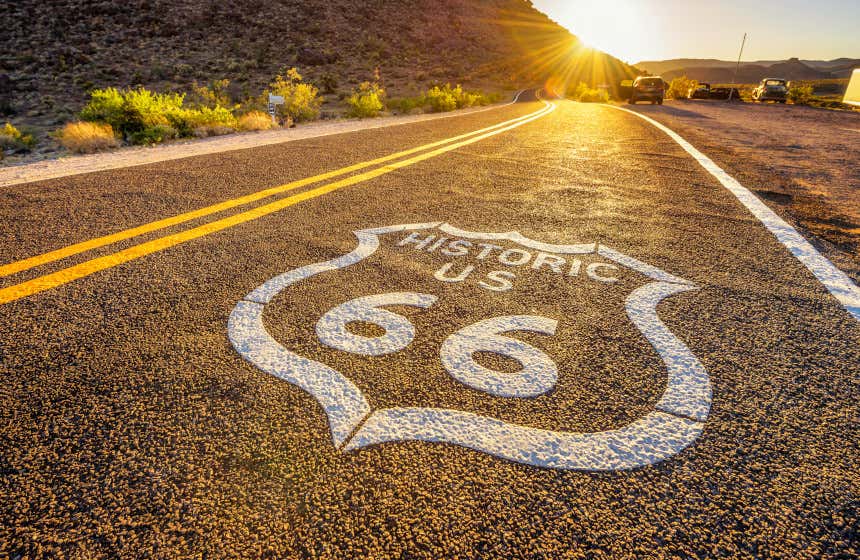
(648, 88)
(705, 91)
(771, 89)
(701, 91)
(725, 93)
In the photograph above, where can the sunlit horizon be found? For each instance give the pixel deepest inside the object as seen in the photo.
(637, 30)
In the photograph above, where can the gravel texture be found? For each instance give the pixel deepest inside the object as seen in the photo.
(801, 160)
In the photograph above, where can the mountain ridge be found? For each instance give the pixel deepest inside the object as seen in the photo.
(715, 70)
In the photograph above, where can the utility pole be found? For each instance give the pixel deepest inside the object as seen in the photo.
(737, 67)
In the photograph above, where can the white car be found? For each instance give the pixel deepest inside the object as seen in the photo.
(771, 89)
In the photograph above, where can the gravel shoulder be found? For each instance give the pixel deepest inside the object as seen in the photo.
(801, 160)
(137, 155)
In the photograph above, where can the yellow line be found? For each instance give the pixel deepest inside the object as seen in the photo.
(51, 256)
(81, 270)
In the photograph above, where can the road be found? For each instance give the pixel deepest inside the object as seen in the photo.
(544, 330)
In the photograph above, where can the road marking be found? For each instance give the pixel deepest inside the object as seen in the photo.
(64, 276)
(837, 282)
(675, 423)
(51, 256)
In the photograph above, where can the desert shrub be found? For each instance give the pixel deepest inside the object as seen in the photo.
(152, 107)
(211, 121)
(408, 105)
(368, 100)
(154, 134)
(447, 98)
(443, 98)
(594, 96)
(329, 83)
(301, 100)
(105, 105)
(213, 95)
(86, 137)
(440, 99)
(576, 91)
(800, 94)
(680, 87)
(13, 139)
(255, 120)
(141, 116)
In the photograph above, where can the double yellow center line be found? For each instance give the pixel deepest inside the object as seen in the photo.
(385, 164)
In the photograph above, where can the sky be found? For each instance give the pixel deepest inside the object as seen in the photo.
(637, 30)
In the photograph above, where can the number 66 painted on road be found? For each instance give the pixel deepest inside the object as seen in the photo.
(537, 376)
(676, 421)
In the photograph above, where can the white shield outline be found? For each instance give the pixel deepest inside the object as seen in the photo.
(676, 422)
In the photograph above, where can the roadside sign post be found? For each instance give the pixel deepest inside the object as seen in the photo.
(273, 101)
(737, 67)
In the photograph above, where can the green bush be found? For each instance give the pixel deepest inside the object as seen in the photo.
(368, 100)
(440, 99)
(446, 98)
(800, 94)
(680, 88)
(212, 95)
(213, 122)
(301, 100)
(407, 105)
(202, 122)
(581, 92)
(106, 106)
(594, 96)
(149, 108)
(13, 139)
(154, 134)
(575, 92)
(141, 116)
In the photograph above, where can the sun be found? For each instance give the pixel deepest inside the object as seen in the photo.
(616, 27)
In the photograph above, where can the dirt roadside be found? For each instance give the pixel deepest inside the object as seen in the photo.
(802, 161)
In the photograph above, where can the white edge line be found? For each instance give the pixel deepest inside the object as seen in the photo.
(837, 282)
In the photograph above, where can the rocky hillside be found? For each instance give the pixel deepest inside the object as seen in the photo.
(54, 52)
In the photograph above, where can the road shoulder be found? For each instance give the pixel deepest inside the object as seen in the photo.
(137, 155)
(798, 160)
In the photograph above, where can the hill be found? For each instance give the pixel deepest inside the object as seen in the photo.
(722, 71)
(55, 52)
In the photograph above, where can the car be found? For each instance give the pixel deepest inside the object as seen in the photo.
(648, 88)
(705, 91)
(771, 89)
(726, 93)
(701, 91)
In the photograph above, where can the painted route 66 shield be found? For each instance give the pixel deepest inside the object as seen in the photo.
(548, 355)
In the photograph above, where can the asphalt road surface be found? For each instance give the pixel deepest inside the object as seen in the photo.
(544, 330)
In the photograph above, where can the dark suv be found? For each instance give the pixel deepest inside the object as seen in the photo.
(648, 88)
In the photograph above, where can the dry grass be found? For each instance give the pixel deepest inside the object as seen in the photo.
(208, 130)
(87, 137)
(255, 120)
